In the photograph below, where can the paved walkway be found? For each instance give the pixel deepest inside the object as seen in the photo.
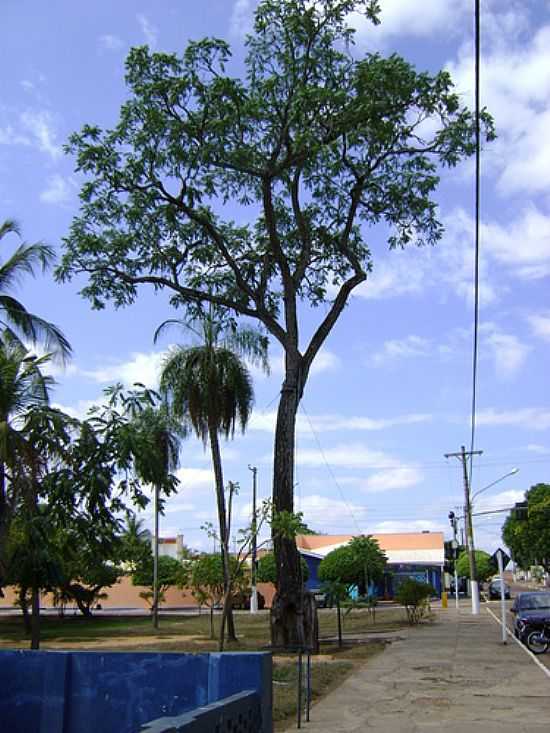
(453, 675)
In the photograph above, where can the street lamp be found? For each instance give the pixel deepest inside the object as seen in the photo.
(470, 532)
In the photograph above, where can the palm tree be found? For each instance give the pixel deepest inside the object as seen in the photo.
(15, 319)
(210, 387)
(156, 457)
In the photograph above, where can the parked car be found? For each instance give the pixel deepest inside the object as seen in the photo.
(462, 586)
(531, 611)
(493, 589)
(241, 601)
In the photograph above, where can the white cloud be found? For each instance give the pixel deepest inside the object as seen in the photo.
(58, 191)
(110, 42)
(508, 352)
(413, 525)
(410, 346)
(192, 478)
(330, 423)
(38, 124)
(319, 510)
(405, 18)
(533, 418)
(242, 17)
(142, 367)
(540, 324)
(539, 449)
(8, 136)
(515, 87)
(149, 30)
(325, 361)
(501, 500)
(395, 478)
(80, 409)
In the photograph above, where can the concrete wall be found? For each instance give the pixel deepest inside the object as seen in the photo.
(91, 692)
(125, 595)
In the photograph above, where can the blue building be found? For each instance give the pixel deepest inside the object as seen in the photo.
(417, 555)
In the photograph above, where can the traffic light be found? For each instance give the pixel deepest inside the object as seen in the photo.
(521, 511)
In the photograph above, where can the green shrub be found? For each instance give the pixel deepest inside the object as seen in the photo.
(415, 597)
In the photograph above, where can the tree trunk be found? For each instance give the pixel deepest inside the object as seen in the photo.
(222, 520)
(35, 619)
(3, 521)
(23, 602)
(227, 609)
(339, 615)
(294, 622)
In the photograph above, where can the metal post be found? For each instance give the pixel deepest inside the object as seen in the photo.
(254, 590)
(308, 693)
(156, 561)
(502, 600)
(299, 710)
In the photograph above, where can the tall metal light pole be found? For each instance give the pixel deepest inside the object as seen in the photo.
(254, 594)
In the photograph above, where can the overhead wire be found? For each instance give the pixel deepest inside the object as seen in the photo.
(477, 45)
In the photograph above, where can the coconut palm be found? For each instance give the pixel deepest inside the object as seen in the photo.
(209, 386)
(15, 319)
(156, 457)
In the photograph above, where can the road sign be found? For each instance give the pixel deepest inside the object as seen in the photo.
(505, 558)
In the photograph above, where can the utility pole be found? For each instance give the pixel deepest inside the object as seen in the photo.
(254, 594)
(463, 456)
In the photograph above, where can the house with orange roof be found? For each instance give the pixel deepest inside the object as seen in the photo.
(417, 555)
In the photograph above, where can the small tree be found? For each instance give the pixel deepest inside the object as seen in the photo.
(170, 572)
(415, 597)
(207, 583)
(267, 569)
(484, 564)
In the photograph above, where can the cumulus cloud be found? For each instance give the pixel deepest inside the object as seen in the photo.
(540, 324)
(193, 478)
(59, 190)
(39, 126)
(508, 352)
(413, 525)
(410, 346)
(142, 367)
(332, 423)
(110, 42)
(402, 18)
(148, 29)
(537, 448)
(531, 418)
(242, 17)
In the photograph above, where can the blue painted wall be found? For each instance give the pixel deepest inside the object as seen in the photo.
(92, 692)
(388, 585)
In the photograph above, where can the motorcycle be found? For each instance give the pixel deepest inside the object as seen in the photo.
(538, 641)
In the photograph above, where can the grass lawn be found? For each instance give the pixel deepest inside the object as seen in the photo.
(192, 634)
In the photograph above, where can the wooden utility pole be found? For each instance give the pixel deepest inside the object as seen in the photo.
(463, 456)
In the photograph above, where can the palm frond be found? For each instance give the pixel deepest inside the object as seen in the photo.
(34, 328)
(9, 226)
(24, 261)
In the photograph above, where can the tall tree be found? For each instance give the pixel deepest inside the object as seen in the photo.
(23, 387)
(318, 144)
(209, 386)
(528, 535)
(15, 319)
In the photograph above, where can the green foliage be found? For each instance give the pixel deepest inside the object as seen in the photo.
(529, 538)
(170, 572)
(415, 597)
(324, 144)
(16, 322)
(484, 565)
(267, 569)
(354, 564)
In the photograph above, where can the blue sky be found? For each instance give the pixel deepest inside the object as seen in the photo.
(390, 393)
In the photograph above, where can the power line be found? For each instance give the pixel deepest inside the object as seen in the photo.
(352, 515)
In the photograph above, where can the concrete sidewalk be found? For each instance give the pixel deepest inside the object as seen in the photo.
(452, 675)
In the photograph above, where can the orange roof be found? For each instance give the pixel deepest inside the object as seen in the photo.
(394, 541)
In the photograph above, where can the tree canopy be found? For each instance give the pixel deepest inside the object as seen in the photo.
(529, 538)
(484, 565)
(354, 564)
